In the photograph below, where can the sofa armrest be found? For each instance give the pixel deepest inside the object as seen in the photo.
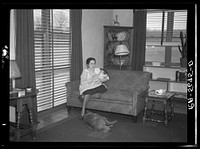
(138, 98)
(71, 86)
(141, 91)
(68, 86)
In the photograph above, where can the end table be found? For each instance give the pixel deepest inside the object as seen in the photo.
(165, 99)
(19, 102)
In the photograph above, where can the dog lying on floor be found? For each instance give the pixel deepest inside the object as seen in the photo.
(97, 122)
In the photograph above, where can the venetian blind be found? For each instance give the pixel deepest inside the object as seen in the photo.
(52, 35)
(164, 26)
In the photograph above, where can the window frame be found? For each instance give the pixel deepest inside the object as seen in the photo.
(54, 68)
(168, 45)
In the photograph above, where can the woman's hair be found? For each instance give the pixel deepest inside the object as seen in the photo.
(90, 59)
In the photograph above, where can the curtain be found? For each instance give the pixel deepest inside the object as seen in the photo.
(76, 56)
(25, 54)
(139, 39)
(25, 48)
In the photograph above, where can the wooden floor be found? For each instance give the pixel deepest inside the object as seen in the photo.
(59, 113)
(52, 116)
(48, 117)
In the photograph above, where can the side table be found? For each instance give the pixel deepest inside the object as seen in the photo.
(165, 99)
(19, 102)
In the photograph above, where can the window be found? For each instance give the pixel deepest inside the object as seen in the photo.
(52, 39)
(162, 36)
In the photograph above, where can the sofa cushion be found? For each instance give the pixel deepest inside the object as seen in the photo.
(127, 79)
(113, 94)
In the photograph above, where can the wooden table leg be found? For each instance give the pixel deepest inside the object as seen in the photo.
(172, 108)
(19, 112)
(17, 130)
(31, 120)
(152, 108)
(145, 109)
(165, 113)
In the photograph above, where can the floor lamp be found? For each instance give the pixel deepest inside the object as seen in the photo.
(120, 51)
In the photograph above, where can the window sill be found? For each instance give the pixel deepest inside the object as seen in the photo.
(168, 80)
(162, 66)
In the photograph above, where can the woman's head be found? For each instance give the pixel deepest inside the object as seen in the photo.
(91, 62)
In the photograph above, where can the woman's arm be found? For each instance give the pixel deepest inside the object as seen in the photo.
(105, 78)
(85, 77)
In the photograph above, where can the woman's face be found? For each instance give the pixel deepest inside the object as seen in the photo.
(92, 64)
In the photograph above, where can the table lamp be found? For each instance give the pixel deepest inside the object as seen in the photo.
(121, 50)
(14, 73)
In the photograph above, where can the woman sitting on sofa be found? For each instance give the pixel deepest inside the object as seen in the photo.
(91, 82)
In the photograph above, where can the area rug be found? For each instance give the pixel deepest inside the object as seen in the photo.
(73, 129)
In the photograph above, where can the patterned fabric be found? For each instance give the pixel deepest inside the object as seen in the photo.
(89, 80)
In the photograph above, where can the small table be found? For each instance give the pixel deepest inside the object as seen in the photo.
(19, 102)
(165, 98)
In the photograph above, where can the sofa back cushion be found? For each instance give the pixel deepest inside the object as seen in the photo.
(127, 79)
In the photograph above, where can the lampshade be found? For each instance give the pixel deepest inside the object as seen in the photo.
(121, 50)
(14, 70)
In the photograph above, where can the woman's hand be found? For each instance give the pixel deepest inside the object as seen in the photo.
(104, 78)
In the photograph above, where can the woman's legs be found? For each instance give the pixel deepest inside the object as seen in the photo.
(86, 98)
(87, 93)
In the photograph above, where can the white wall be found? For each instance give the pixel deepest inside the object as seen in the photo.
(93, 21)
(125, 16)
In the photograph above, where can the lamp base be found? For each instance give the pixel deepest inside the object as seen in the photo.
(120, 62)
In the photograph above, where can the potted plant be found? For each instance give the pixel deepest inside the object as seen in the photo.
(183, 50)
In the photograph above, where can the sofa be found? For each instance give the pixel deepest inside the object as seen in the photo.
(124, 95)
